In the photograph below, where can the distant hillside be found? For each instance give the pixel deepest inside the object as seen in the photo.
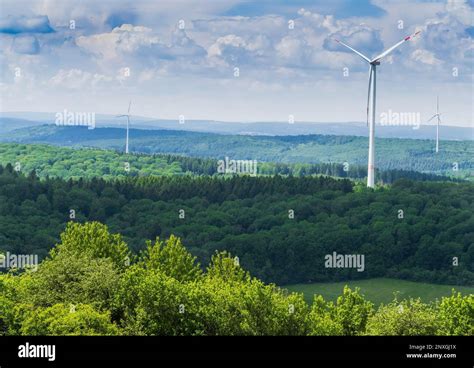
(250, 128)
(391, 154)
(87, 163)
(9, 124)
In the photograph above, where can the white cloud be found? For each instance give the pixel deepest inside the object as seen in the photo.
(443, 30)
(425, 56)
(227, 42)
(461, 10)
(139, 47)
(272, 58)
(123, 39)
(78, 79)
(290, 47)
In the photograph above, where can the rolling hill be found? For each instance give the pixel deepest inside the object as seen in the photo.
(13, 120)
(400, 154)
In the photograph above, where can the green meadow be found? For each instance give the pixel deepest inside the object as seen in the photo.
(380, 290)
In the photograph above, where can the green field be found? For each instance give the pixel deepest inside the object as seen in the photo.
(380, 290)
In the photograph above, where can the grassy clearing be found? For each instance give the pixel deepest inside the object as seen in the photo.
(380, 290)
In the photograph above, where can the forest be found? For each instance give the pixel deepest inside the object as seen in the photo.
(279, 227)
(91, 284)
(454, 158)
(66, 163)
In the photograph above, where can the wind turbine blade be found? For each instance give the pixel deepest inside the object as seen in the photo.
(368, 94)
(354, 50)
(388, 51)
(129, 105)
(120, 116)
(435, 115)
(437, 104)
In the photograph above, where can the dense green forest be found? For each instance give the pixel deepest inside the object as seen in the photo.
(53, 161)
(281, 228)
(92, 285)
(391, 154)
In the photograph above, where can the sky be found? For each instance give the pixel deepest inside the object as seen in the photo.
(234, 60)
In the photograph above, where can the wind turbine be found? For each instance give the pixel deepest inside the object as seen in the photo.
(128, 124)
(437, 115)
(371, 98)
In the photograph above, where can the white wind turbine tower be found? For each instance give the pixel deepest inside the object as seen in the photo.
(371, 98)
(128, 124)
(437, 115)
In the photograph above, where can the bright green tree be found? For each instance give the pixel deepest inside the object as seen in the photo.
(94, 240)
(408, 317)
(172, 258)
(63, 320)
(456, 315)
(321, 318)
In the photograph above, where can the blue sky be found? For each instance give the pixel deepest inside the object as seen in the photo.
(180, 57)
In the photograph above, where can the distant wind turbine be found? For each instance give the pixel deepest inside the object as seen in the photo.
(437, 115)
(372, 88)
(128, 124)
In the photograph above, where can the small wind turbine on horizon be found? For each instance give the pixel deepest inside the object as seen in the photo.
(371, 98)
(437, 115)
(128, 124)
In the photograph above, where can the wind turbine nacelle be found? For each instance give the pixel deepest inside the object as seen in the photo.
(375, 62)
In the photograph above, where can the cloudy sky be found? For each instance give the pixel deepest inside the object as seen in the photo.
(235, 60)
